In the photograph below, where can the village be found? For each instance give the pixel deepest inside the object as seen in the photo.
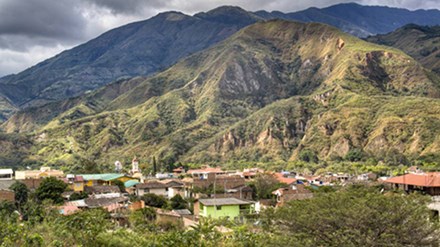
(208, 192)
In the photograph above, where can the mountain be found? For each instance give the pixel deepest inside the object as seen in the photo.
(360, 20)
(139, 48)
(273, 91)
(146, 47)
(420, 42)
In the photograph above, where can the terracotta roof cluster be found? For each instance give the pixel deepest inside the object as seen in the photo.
(431, 179)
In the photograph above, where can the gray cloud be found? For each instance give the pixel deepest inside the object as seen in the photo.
(32, 30)
(41, 18)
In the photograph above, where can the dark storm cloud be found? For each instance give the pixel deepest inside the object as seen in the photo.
(129, 6)
(58, 19)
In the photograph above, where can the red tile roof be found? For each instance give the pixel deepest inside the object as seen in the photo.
(280, 177)
(431, 179)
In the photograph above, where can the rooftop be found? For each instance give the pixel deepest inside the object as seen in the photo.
(280, 177)
(431, 179)
(104, 176)
(131, 183)
(206, 170)
(151, 185)
(223, 201)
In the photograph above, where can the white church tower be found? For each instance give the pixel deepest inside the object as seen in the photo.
(134, 165)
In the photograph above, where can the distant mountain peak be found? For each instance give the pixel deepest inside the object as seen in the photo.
(172, 15)
(229, 14)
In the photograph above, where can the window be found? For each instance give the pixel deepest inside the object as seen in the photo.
(146, 190)
(218, 207)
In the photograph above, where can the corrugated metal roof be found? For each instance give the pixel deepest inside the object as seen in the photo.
(104, 176)
(223, 201)
(130, 183)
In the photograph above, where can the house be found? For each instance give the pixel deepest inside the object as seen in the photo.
(6, 174)
(68, 209)
(428, 183)
(221, 181)
(154, 187)
(284, 178)
(168, 217)
(75, 183)
(104, 179)
(109, 204)
(292, 192)
(184, 213)
(251, 173)
(130, 186)
(175, 187)
(178, 171)
(240, 192)
(103, 191)
(205, 171)
(367, 177)
(38, 174)
(223, 207)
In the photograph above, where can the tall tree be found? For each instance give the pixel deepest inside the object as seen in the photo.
(357, 217)
(51, 188)
(154, 166)
(21, 193)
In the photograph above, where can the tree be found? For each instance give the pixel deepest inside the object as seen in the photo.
(154, 200)
(264, 184)
(308, 156)
(84, 226)
(21, 193)
(354, 155)
(154, 166)
(78, 196)
(177, 202)
(51, 188)
(355, 217)
(143, 219)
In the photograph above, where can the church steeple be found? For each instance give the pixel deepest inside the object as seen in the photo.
(134, 165)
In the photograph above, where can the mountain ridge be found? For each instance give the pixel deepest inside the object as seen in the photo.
(270, 92)
(154, 44)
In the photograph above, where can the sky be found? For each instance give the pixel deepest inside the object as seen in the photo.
(34, 30)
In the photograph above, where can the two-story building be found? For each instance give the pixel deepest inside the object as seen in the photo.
(223, 207)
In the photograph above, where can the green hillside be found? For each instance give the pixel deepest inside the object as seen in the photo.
(271, 92)
(420, 42)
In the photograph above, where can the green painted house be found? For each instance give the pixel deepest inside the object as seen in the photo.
(225, 207)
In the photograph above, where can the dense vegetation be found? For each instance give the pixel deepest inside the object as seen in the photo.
(355, 216)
